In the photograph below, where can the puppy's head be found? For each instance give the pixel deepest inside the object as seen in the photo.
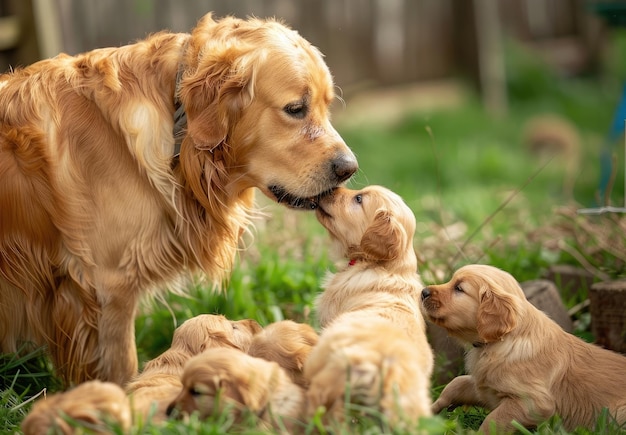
(223, 378)
(258, 95)
(480, 304)
(94, 405)
(210, 330)
(372, 224)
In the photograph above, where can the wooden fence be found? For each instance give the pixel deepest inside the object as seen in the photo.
(365, 41)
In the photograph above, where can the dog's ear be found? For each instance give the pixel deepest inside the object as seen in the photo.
(497, 314)
(214, 94)
(383, 239)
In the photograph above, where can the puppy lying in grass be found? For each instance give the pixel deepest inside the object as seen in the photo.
(373, 349)
(287, 343)
(522, 365)
(91, 407)
(159, 382)
(228, 380)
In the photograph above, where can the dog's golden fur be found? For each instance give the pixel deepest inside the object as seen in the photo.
(287, 343)
(159, 383)
(220, 379)
(94, 405)
(521, 365)
(374, 332)
(96, 208)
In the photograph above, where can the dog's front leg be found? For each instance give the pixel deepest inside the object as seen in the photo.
(499, 420)
(116, 337)
(460, 391)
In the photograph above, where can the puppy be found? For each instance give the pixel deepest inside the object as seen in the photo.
(91, 407)
(522, 366)
(374, 345)
(153, 389)
(227, 379)
(287, 343)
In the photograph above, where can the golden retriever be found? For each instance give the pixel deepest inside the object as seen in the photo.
(94, 405)
(374, 344)
(522, 365)
(287, 343)
(228, 380)
(159, 382)
(122, 168)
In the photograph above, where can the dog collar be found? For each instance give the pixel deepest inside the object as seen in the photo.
(180, 116)
(352, 262)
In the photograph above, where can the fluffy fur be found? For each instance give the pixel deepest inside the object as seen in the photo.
(98, 208)
(92, 405)
(374, 343)
(287, 343)
(159, 382)
(221, 379)
(522, 365)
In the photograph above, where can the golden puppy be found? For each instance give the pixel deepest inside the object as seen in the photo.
(94, 405)
(287, 343)
(123, 168)
(159, 383)
(375, 334)
(522, 365)
(221, 379)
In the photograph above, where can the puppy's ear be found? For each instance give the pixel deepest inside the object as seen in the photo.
(384, 238)
(497, 314)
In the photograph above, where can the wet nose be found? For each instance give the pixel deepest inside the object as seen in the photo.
(425, 293)
(344, 166)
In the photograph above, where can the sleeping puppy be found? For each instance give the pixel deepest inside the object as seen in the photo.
(93, 405)
(521, 364)
(228, 379)
(374, 334)
(287, 343)
(159, 383)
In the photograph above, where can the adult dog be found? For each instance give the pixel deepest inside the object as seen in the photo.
(373, 350)
(522, 365)
(100, 204)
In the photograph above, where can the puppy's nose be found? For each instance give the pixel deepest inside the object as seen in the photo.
(344, 166)
(425, 293)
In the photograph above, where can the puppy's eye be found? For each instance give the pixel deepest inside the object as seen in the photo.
(195, 392)
(358, 199)
(235, 327)
(296, 110)
(458, 288)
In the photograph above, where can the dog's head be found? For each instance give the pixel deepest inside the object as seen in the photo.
(257, 96)
(90, 407)
(480, 304)
(372, 224)
(223, 378)
(211, 330)
(203, 332)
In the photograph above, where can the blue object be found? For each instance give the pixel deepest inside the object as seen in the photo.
(606, 160)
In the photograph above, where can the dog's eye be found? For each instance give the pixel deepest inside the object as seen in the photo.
(358, 199)
(296, 110)
(458, 288)
(194, 392)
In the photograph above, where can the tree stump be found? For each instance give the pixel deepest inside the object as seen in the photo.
(544, 295)
(608, 314)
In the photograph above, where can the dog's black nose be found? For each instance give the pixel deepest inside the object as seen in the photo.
(344, 166)
(425, 293)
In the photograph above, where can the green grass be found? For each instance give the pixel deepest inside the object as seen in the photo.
(462, 172)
